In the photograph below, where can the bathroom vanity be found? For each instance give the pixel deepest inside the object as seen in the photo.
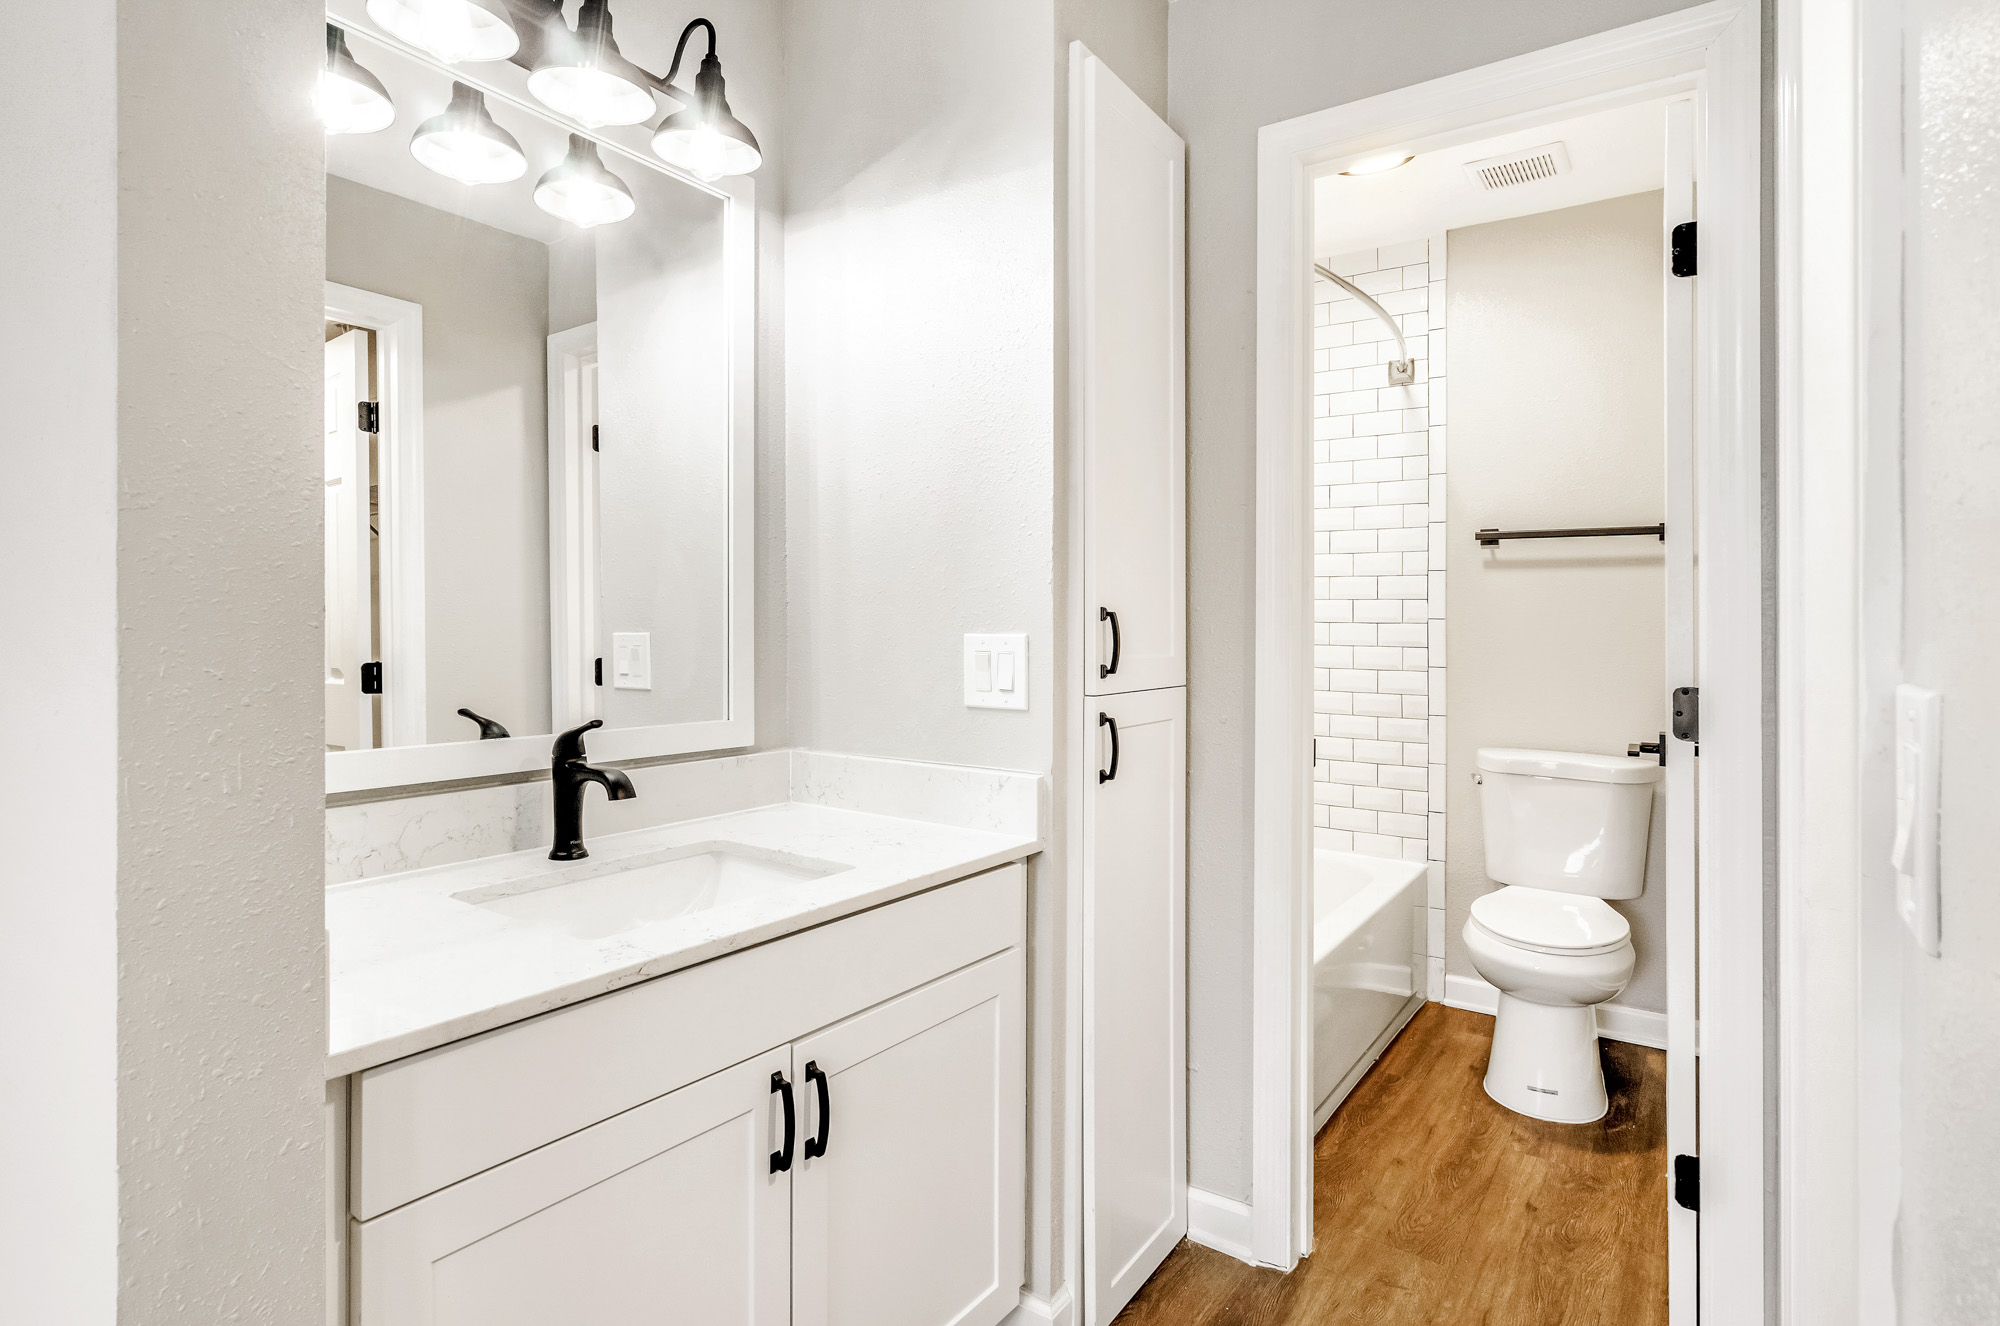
(765, 1067)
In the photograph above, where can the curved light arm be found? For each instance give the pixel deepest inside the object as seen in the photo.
(1402, 347)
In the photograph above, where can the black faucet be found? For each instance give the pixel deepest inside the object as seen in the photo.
(569, 773)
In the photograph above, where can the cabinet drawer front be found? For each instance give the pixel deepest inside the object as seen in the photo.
(672, 1206)
(435, 1118)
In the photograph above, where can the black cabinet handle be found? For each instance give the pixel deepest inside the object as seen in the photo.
(1106, 720)
(816, 1146)
(1117, 643)
(782, 1160)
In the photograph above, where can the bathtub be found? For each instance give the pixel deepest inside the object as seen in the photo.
(1368, 965)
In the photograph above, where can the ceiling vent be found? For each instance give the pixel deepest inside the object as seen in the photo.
(1524, 167)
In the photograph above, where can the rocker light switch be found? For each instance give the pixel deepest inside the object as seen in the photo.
(996, 671)
(632, 660)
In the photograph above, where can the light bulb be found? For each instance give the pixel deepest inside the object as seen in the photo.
(465, 144)
(451, 30)
(582, 74)
(581, 191)
(349, 98)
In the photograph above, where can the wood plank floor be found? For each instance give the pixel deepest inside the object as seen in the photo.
(1434, 1205)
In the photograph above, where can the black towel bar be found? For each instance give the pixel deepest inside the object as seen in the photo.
(1491, 537)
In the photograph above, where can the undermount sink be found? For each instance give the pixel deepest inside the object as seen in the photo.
(596, 899)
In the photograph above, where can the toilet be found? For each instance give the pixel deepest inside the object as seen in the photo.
(1564, 831)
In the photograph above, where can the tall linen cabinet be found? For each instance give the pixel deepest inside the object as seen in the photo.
(1127, 277)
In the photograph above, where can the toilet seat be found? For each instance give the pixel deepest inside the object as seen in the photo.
(1544, 921)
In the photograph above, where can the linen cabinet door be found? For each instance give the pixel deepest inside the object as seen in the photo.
(671, 1212)
(1133, 927)
(1128, 329)
(910, 1214)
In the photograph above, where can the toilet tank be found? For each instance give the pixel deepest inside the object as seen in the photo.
(1567, 822)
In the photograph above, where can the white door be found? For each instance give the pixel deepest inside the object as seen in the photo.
(350, 715)
(911, 1215)
(1128, 317)
(1683, 1225)
(670, 1212)
(1134, 996)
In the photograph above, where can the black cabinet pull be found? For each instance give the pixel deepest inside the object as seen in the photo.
(816, 1146)
(782, 1160)
(1106, 720)
(1117, 643)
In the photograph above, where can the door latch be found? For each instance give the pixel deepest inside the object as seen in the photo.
(1659, 748)
(1687, 1182)
(1687, 713)
(371, 678)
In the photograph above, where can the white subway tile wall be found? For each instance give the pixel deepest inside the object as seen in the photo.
(1379, 565)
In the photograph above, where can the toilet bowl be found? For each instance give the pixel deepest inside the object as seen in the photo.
(1563, 832)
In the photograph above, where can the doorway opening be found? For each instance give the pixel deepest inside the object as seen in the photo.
(1594, 390)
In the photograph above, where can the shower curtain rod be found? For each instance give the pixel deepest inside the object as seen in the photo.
(1402, 346)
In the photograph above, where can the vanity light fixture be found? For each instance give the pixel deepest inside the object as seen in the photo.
(452, 30)
(582, 75)
(703, 138)
(463, 143)
(1378, 164)
(581, 191)
(350, 99)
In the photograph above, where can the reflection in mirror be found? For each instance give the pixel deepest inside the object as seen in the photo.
(528, 433)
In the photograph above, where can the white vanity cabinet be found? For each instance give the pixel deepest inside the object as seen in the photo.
(533, 1174)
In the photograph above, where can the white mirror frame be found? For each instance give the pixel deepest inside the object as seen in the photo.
(405, 766)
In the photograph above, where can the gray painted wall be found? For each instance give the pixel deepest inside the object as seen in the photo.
(1949, 1235)
(1234, 66)
(1557, 409)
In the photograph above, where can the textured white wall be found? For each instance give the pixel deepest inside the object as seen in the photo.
(1558, 406)
(1235, 65)
(221, 948)
(1949, 1251)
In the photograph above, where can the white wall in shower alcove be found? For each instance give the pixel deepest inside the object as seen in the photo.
(1378, 567)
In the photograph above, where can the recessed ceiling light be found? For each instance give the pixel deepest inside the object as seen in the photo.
(1376, 165)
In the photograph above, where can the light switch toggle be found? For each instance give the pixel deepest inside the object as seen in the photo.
(632, 660)
(996, 671)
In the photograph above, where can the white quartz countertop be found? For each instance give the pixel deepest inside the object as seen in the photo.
(412, 966)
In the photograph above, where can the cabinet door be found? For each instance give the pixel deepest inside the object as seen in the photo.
(912, 1217)
(1133, 926)
(1130, 348)
(669, 1212)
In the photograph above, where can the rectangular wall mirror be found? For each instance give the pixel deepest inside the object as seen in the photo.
(538, 447)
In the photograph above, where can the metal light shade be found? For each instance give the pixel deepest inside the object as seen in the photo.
(581, 191)
(451, 30)
(465, 144)
(351, 100)
(582, 75)
(705, 139)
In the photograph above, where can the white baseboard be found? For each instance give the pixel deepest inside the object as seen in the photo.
(1222, 1223)
(1618, 1022)
(1057, 1311)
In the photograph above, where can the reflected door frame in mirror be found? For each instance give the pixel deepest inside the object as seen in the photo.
(407, 765)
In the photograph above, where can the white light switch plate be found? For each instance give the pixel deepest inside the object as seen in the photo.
(1915, 854)
(996, 671)
(632, 660)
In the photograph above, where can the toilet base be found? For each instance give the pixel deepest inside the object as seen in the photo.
(1544, 1062)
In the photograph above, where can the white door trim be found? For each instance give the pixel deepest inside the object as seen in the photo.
(399, 370)
(1714, 50)
(573, 548)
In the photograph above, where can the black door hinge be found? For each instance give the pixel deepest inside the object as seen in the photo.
(1684, 246)
(1687, 1182)
(593, 437)
(369, 416)
(371, 678)
(600, 672)
(1687, 713)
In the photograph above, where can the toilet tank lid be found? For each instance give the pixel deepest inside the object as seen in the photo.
(1569, 764)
